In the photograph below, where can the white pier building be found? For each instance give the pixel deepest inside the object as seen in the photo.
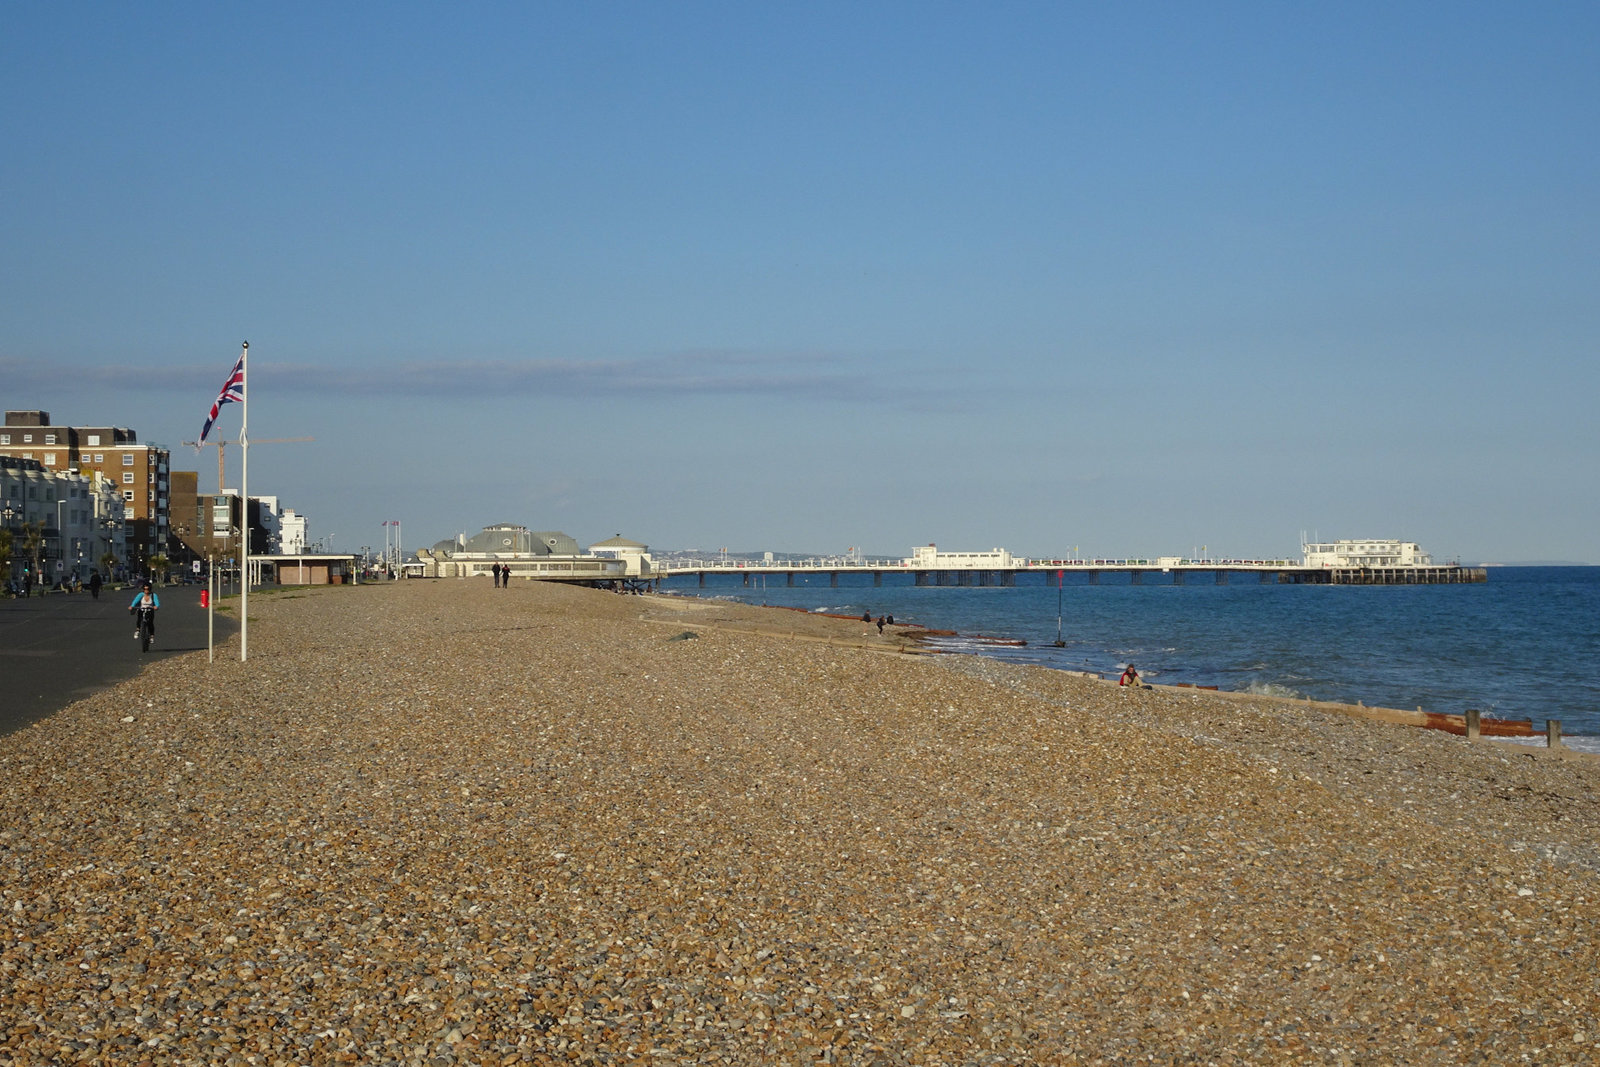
(1366, 554)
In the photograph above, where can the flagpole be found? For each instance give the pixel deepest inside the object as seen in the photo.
(244, 506)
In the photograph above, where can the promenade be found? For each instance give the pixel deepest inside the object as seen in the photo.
(433, 822)
(59, 647)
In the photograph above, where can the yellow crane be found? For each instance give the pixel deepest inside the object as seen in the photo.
(222, 444)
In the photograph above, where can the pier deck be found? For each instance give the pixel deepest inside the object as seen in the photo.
(1268, 572)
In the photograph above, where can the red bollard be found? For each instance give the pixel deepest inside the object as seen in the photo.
(205, 598)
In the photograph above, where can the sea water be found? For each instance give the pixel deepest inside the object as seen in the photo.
(1524, 645)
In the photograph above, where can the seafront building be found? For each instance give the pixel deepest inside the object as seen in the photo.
(548, 555)
(140, 473)
(1366, 554)
(62, 523)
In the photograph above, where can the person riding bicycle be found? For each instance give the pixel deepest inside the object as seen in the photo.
(146, 601)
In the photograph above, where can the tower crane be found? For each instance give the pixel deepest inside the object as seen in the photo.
(222, 443)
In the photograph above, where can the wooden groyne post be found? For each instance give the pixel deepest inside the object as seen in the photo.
(1552, 733)
(1471, 717)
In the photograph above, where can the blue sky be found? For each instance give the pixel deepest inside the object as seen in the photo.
(1130, 278)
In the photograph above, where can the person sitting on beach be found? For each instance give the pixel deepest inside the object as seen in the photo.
(1129, 677)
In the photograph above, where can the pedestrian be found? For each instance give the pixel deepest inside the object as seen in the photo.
(880, 624)
(496, 570)
(94, 585)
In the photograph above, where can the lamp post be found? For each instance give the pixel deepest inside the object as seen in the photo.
(9, 513)
(61, 544)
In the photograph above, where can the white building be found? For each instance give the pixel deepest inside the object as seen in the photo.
(267, 517)
(1366, 554)
(635, 555)
(291, 533)
(547, 554)
(930, 558)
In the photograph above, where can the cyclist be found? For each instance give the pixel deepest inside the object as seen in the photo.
(145, 601)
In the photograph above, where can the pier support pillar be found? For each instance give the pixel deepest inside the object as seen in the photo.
(833, 579)
(790, 576)
(1094, 577)
(1222, 577)
(1177, 577)
(747, 579)
(1135, 577)
(877, 578)
(702, 579)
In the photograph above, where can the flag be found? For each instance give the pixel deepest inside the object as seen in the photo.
(232, 391)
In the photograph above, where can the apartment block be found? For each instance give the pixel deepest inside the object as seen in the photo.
(141, 473)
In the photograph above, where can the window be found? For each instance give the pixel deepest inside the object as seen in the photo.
(99, 457)
(94, 440)
(49, 438)
(127, 459)
(5, 439)
(127, 494)
(49, 459)
(27, 438)
(127, 477)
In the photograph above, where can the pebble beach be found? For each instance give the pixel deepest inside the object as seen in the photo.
(434, 822)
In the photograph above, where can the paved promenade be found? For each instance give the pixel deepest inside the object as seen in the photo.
(56, 648)
(436, 823)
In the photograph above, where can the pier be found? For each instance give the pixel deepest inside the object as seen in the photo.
(1139, 571)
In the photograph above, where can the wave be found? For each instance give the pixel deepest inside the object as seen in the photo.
(1273, 689)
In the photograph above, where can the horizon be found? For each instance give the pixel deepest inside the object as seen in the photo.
(1041, 277)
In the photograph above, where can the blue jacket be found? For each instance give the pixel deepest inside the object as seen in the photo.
(155, 600)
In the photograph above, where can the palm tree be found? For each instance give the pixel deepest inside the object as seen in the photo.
(158, 565)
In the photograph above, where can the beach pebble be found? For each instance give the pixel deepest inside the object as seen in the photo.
(435, 823)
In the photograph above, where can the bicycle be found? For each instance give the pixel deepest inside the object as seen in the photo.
(144, 627)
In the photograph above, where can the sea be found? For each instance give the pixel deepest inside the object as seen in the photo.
(1523, 645)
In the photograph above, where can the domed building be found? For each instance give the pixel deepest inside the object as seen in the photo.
(548, 555)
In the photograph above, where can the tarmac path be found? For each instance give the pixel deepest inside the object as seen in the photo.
(59, 648)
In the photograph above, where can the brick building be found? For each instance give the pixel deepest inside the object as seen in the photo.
(140, 472)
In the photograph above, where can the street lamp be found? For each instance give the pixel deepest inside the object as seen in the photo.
(61, 543)
(9, 513)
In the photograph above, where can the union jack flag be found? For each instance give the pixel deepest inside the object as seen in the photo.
(232, 392)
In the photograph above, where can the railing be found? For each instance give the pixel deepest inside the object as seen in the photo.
(845, 563)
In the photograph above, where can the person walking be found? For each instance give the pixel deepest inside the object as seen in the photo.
(94, 584)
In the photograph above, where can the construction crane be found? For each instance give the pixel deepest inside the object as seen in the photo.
(222, 444)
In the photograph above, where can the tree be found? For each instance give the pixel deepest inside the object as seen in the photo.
(33, 540)
(158, 565)
(7, 542)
